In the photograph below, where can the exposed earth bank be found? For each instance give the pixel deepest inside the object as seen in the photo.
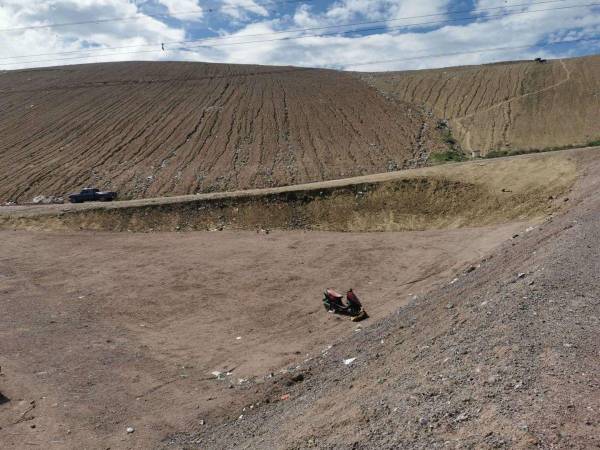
(148, 129)
(510, 106)
(507, 356)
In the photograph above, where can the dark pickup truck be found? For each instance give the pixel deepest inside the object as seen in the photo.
(92, 195)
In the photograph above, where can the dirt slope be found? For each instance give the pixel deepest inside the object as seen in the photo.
(513, 105)
(150, 129)
(108, 330)
(504, 356)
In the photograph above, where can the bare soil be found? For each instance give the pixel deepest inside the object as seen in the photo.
(103, 331)
(504, 356)
(153, 129)
(507, 106)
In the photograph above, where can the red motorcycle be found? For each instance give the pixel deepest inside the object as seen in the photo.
(333, 302)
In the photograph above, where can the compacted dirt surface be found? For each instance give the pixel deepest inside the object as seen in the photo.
(506, 355)
(104, 331)
(152, 129)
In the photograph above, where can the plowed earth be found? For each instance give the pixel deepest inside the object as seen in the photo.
(514, 105)
(151, 129)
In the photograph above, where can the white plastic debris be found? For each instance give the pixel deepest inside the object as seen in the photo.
(130, 430)
(238, 338)
(217, 374)
(349, 361)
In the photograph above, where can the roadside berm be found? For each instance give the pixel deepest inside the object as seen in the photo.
(477, 193)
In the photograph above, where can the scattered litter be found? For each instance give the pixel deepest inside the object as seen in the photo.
(529, 229)
(449, 306)
(454, 281)
(349, 361)
(461, 417)
(285, 397)
(238, 338)
(217, 374)
(521, 275)
(130, 430)
(242, 380)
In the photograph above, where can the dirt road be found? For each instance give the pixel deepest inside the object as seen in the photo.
(103, 331)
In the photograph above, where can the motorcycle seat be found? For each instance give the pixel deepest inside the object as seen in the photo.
(334, 294)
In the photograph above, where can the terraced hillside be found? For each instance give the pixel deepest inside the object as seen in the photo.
(152, 129)
(514, 105)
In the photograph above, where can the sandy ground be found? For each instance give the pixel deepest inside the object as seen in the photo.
(102, 331)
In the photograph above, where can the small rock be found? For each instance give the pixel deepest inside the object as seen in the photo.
(130, 430)
(423, 421)
(449, 306)
(462, 417)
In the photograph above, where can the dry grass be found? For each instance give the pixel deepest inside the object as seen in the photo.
(450, 196)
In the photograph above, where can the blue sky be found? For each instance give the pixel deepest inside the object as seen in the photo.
(395, 35)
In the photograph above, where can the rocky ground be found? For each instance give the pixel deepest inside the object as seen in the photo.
(505, 355)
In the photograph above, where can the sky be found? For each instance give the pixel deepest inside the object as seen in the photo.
(361, 35)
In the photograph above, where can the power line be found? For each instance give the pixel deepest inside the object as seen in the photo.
(336, 33)
(494, 49)
(141, 16)
(300, 30)
(419, 24)
(269, 71)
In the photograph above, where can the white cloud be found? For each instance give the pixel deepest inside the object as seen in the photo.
(238, 9)
(136, 35)
(183, 6)
(344, 51)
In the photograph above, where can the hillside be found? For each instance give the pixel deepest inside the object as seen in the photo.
(501, 355)
(166, 337)
(152, 129)
(513, 105)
